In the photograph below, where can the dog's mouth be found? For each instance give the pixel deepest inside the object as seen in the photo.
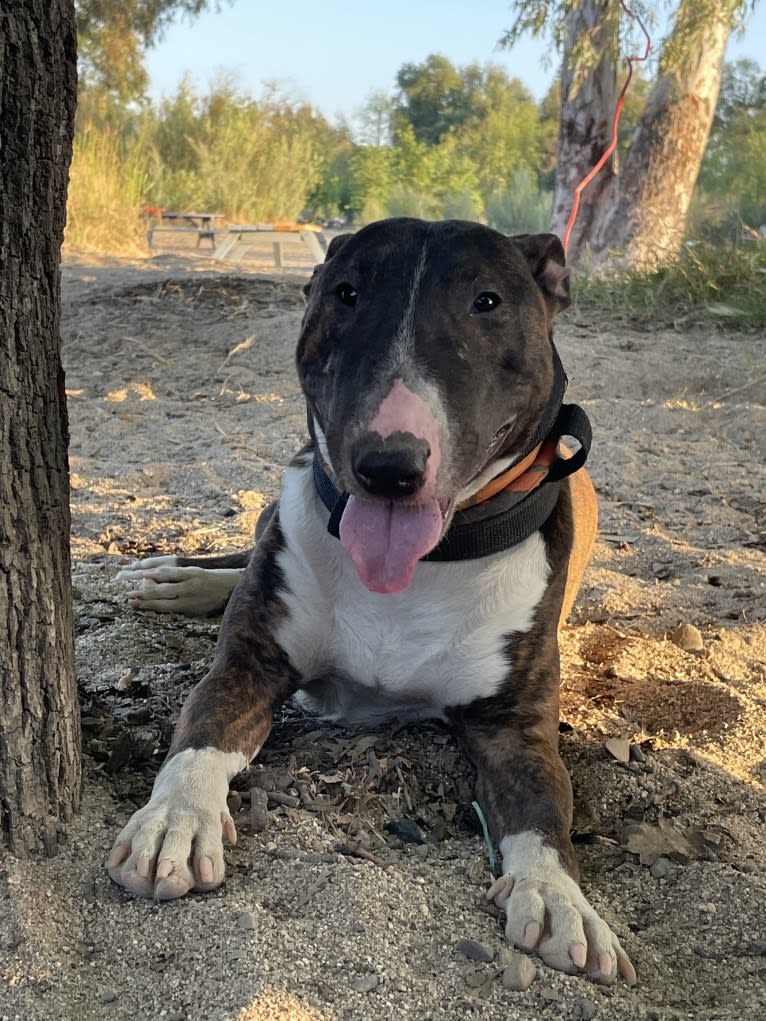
(386, 538)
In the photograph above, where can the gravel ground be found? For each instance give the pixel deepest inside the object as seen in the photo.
(361, 871)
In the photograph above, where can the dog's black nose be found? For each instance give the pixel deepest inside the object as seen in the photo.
(392, 470)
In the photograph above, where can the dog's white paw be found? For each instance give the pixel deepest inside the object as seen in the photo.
(175, 842)
(163, 586)
(547, 912)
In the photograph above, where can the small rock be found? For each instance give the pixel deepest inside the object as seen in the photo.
(688, 638)
(474, 951)
(234, 802)
(107, 996)
(247, 921)
(505, 955)
(637, 753)
(618, 748)
(584, 1009)
(519, 974)
(661, 868)
(477, 978)
(88, 891)
(757, 947)
(364, 983)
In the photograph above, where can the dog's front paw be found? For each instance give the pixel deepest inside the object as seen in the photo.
(175, 843)
(547, 912)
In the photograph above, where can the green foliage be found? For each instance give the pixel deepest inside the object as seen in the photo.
(112, 38)
(332, 193)
(435, 97)
(520, 209)
(375, 119)
(723, 281)
(733, 171)
(508, 137)
(372, 180)
(224, 152)
(254, 161)
(459, 137)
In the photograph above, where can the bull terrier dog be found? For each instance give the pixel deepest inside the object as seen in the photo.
(426, 544)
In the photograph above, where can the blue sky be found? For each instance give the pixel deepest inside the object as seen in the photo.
(334, 54)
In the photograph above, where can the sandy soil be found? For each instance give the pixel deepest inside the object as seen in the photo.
(360, 864)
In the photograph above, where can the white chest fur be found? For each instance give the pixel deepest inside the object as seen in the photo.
(439, 643)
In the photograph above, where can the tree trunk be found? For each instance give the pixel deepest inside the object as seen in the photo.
(646, 216)
(39, 719)
(587, 105)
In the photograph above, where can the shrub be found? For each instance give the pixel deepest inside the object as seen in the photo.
(107, 185)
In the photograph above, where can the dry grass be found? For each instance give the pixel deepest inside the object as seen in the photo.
(106, 191)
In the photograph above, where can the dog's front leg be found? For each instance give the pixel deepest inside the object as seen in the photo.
(526, 795)
(175, 842)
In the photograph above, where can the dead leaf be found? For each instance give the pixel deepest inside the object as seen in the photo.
(666, 840)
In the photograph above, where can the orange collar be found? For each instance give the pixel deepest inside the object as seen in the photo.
(521, 477)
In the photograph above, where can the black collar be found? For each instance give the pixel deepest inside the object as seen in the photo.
(505, 520)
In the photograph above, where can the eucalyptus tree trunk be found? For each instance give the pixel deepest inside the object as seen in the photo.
(646, 216)
(639, 211)
(587, 104)
(39, 721)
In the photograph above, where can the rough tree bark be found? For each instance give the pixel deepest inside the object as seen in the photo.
(39, 721)
(644, 213)
(641, 211)
(587, 104)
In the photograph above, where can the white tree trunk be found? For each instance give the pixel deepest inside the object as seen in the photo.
(645, 215)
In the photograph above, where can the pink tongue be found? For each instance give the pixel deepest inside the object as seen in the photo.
(385, 540)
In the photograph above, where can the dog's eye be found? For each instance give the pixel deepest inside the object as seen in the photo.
(486, 301)
(347, 294)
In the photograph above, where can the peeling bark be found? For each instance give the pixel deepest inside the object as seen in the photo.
(647, 218)
(585, 126)
(640, 212)
(39, 719)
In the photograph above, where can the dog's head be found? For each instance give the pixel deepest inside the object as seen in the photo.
(426, 359)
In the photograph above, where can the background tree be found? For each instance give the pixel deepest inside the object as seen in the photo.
(642, 211)
(734, 168)
(373, 121)
(506, 135)
(113, 36)
(435, 97)
(39, 719)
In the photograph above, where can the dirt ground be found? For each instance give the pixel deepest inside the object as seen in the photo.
(360, 865)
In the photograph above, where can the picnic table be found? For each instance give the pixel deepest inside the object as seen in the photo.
(241, 237)
(166, 220)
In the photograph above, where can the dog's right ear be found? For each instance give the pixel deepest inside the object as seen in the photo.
(332, 249)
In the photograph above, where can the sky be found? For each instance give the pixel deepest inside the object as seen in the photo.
(334, 54)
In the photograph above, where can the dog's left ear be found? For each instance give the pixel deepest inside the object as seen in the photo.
(332, 249)
(545, 255)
